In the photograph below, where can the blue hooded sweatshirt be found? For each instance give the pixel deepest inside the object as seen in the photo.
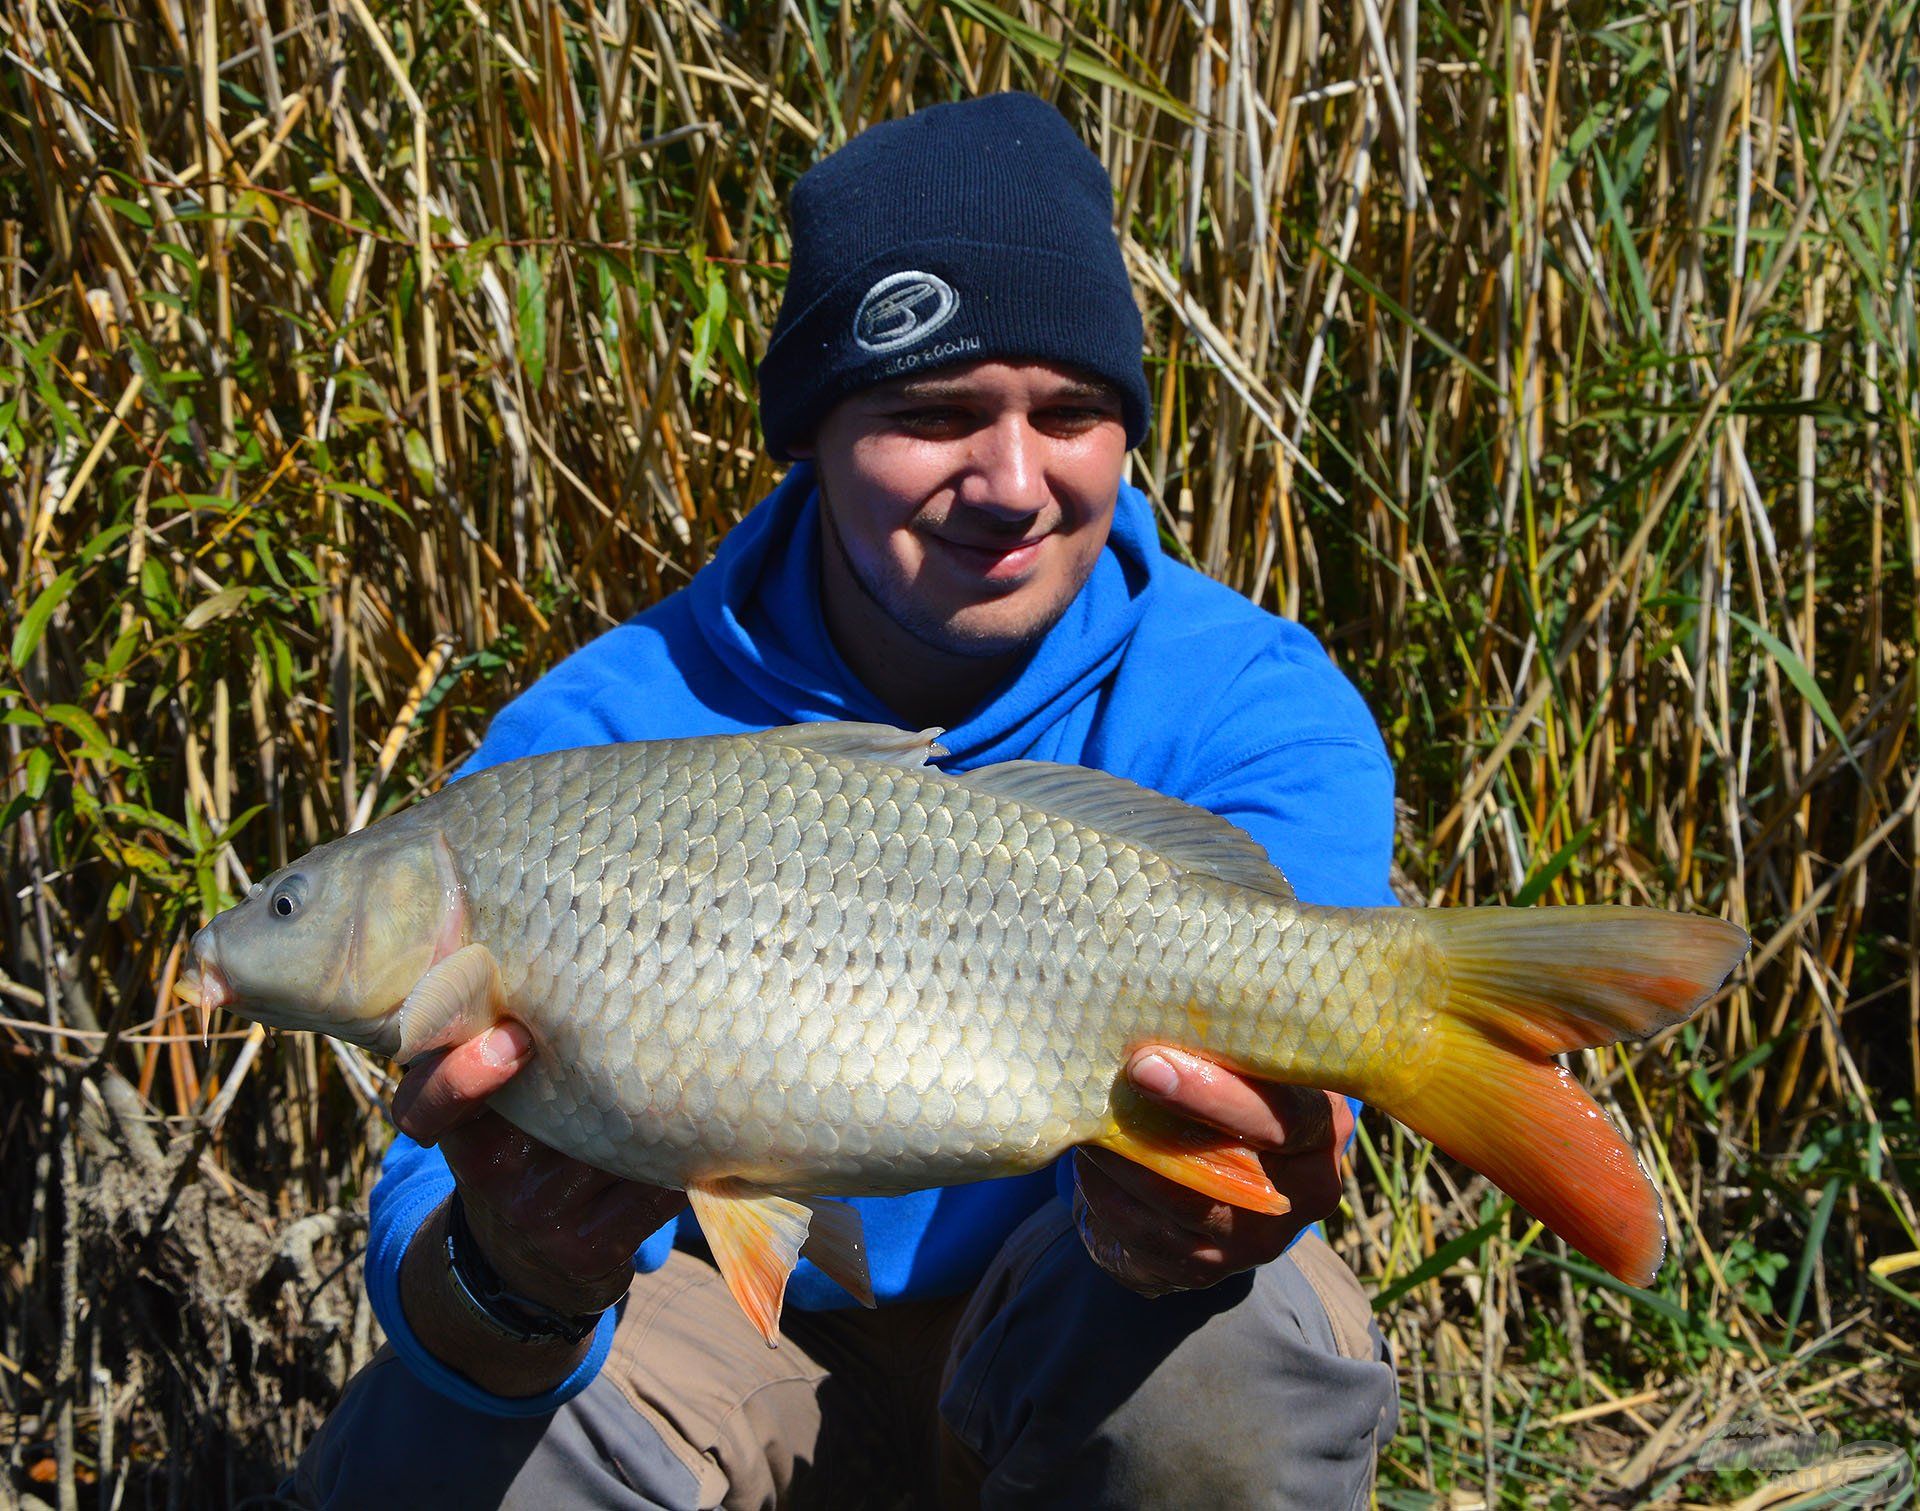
(1155, 673)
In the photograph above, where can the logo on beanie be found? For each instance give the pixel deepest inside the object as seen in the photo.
(903, 308)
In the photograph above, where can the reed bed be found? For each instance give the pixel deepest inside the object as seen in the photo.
(1557, 364)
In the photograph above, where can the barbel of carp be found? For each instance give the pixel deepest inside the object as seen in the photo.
(779, 967)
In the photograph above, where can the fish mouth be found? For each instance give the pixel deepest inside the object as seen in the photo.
(203, 984)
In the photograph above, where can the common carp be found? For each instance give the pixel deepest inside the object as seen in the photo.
(776, 967)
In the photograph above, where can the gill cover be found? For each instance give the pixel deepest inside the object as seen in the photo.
(335, 941)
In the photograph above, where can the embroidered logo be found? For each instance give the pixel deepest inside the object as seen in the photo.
(903, 308)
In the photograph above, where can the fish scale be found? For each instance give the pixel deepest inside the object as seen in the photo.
(900, 928)
(774, 967)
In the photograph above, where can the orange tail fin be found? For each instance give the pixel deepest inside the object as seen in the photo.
(1524, 984)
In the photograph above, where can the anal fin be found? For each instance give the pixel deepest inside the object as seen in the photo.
(1190, 1154)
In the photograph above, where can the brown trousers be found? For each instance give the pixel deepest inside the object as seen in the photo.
(1048, 1386)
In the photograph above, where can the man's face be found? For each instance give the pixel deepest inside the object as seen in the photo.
(971, 504)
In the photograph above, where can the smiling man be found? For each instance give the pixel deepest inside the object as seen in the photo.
(956, 376)
(961, 515)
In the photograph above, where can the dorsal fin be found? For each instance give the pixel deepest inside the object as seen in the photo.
(1179, 832)
(871, 742)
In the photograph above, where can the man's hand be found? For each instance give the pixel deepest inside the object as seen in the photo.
(1155, 1236)
(555, 1230)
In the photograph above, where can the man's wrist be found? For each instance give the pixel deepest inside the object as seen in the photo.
(448, 1328)
(498, 1308)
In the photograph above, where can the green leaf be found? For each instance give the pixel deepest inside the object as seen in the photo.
(146, 860)
(419, 459)
(299, 241)
(338, 282)
(352, 490)
(531, 305)
(93, 738)
(238, 822)
(1874, 1275)
(707, 327)
(1629, 254)
(216, 605)
(1810, 1251)
(1537, 884)
(121, 656)
(147, 818)
(138, 214)
(1054, 53)
(1801, 676)
(1426, 332)
(33, 624)
(1445, 1257)
(1662, 1306)
(156, 587)
(39, 771)
(187, 261)
(94, 549)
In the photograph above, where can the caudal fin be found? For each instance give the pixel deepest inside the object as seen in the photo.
(1524, 984)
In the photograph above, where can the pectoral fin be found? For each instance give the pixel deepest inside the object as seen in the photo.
(455, 1000)
(1190, 1154)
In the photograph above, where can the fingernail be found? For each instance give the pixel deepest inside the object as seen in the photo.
(1155, 1073)
(503, 1046)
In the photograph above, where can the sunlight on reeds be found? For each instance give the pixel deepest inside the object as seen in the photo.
(1558, 367)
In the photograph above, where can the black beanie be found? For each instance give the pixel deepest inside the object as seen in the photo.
(958, 234)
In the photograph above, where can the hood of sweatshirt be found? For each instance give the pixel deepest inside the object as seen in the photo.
(757, 603)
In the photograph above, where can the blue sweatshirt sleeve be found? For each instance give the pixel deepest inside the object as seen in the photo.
(1323, 809)
(414, 1181)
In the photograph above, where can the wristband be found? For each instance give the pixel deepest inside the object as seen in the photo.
(492, 1304)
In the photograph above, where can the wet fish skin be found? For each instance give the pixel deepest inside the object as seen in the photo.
(802, 963)
(829, 976)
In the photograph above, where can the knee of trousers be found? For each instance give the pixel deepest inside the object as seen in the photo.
(1270, 1389)
(395, 1441)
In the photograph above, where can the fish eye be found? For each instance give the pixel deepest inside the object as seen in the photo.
(288, 896)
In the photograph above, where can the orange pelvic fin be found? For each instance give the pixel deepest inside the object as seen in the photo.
(1523, 985)
(837, 1243)
(1190, 1154)
(757, 1240)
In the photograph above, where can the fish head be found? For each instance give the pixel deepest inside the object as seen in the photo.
(334, 942)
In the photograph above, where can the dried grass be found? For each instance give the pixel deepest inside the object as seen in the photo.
(1557, 365)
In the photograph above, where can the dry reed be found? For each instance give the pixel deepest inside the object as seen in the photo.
(1557, 364)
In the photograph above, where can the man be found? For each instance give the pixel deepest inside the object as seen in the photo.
(956, 374)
